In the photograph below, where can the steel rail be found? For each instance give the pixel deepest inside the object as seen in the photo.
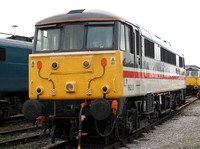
(18, 130)
(22, 140)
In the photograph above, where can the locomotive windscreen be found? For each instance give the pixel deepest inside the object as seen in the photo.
(48, 39)
(75, 37)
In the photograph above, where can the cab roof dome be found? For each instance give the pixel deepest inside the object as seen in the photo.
(80, 15)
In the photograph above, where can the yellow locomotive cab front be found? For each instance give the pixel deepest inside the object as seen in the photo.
(193, 79)
(76, 75)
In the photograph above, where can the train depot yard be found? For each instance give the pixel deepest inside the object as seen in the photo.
(93, 79)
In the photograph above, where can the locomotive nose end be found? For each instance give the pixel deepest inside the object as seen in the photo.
(100, 109)
(32, 109)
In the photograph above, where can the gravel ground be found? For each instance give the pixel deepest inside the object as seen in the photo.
(41, 144)
(181, 132)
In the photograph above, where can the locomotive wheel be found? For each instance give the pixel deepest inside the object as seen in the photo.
(131, 117)
(52, 134)
(131, 120)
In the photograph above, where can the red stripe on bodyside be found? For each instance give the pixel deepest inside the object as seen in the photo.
(134, 74)
(131, 74)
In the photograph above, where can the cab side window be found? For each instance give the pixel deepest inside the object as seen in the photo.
(126, 38)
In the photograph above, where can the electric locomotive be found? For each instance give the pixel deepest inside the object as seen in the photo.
(192, 79)
(13, 76)
(94, 73)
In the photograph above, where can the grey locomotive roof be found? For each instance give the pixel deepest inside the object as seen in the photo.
(15, 43)
(80, 15)
(192, 67)
(99, 15)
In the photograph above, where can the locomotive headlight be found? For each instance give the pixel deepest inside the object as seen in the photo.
(105, 89)
(86, 64)
(54, 65)
(39, 90)
(70, 87)
(195, 87)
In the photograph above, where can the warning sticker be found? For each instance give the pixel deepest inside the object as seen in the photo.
(112, 60)
(32, 63)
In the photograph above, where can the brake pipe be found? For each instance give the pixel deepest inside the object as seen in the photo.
(81, 118)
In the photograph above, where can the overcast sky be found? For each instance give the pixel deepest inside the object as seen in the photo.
(176, 21)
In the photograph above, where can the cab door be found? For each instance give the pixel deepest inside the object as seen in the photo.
(138, 61)
(138, 49)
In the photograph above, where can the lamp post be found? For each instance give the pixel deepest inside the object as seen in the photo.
(14, 26)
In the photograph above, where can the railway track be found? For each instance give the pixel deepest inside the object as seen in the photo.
(22, 140)
(18, 130)
(13, 120)
(123, 141)
(13, 137)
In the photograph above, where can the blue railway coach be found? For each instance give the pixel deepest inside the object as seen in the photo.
(13, 75)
